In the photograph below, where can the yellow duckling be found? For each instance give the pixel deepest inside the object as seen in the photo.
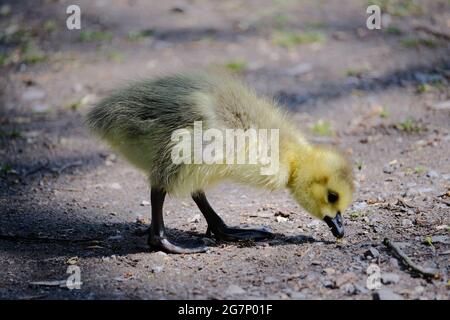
(153, 123)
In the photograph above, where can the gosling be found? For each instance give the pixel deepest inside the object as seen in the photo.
(140, 120)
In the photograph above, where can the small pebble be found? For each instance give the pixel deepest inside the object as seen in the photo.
(270, 280)
(234, 290)
(157, 269)
(433, 174)
(407, 223)
(194, 219)
(349, 289)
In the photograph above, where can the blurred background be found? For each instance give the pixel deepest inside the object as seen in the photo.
(294, 49)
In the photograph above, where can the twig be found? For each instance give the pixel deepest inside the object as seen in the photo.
(40, 168)
(66, 166)
(408, 262)
(53, 283)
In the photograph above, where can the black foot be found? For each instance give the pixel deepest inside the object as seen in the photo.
(236, 234)
(163, 244)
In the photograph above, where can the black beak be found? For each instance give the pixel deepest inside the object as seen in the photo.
(336, 225)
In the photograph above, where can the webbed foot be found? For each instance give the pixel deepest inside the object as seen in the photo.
(163, 244)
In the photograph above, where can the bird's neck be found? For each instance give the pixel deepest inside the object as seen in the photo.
(292, 153)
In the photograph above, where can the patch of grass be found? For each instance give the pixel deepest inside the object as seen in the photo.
(316, 24)
(400, 8)
(94, 36)
(116, 56)
(419, 169)
(322, 128)
(356, 214)
(291, 39)
(32, 54)
(237, 66)
(281, 20)
(357, 93)
(384, 112)
(393, 31)
(5, 169)
(139, 35)
(74, 105)
(356, 72)
(409, 125)
(5, 10)
(423, 88)
(26, 49)
(437, 85)
(13, 134)
(4, 59)
(82, 102)
(14, 35)
(413, 42)
(428, 241)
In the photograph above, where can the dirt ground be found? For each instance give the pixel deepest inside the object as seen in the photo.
(381, 95)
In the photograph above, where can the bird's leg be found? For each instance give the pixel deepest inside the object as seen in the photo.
(157, 236)
(218, 228)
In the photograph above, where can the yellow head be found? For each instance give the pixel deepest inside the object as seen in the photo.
(322, 183)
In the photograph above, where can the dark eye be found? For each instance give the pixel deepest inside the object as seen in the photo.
(333, 197)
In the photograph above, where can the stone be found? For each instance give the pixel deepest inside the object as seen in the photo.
(329, 284)
(349, 289)
(157, 269)
(386, 294)
(115, 186)
(329, 271)
(407, 223)
(234, 290)
(440, 239)
(281, 219)
(357, 206)
(433, 174)
(372, 253)
(33, 94)
(270, 280)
